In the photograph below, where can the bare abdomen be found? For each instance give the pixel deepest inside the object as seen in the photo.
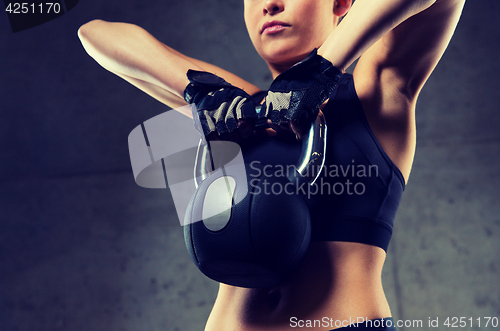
(337, 282)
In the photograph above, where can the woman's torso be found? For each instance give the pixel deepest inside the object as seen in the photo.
(337, 283)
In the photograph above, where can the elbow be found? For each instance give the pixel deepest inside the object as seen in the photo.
(86, 30)
(92, 38)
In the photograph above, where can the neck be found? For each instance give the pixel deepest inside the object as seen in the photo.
(278, 68)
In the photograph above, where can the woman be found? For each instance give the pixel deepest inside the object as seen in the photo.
(398, 42)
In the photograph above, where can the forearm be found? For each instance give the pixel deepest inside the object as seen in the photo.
(133, 54)
(130, 51)
(366, 22)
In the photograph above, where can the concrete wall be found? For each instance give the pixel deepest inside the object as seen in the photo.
(82, 247)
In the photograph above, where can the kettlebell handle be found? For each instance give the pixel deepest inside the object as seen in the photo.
(312, 155)
(307, 169)
(203, 156)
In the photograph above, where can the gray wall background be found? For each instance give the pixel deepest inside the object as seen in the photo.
(82, 247)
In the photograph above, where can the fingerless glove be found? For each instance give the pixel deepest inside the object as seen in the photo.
(296, 94)
(219, 104)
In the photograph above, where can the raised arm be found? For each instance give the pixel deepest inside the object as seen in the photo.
(403, 39)
(400, 42)
(135, 55)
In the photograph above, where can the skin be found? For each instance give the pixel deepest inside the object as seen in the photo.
(307, 26)
(398, 47)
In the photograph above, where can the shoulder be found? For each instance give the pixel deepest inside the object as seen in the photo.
(403, 59)
(391, 73)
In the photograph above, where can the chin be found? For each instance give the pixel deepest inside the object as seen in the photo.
(285, 56)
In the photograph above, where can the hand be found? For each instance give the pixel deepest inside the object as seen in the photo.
(296, 95)
(221, 107)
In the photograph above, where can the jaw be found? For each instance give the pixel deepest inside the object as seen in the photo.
(280, 55)
(282, 51)
(279, 62)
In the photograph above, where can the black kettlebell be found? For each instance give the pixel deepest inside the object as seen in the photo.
(246, 229)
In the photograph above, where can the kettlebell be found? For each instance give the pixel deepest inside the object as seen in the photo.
(244, 226)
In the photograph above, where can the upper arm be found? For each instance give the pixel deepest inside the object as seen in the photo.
(390, 74)
(404, 58)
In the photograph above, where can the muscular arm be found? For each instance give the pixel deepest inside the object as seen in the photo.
(135, 55)
(403, 39)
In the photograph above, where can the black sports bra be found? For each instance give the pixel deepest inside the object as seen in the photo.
(359, 191)
(365, 185)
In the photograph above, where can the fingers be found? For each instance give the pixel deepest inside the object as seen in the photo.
(212, 136)
(289, 128)
(234, 136)
(299, 130)
(246, 127)
(281, 128)
(269, 132)
(245, 130)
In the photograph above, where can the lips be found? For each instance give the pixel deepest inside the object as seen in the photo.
(273, 27)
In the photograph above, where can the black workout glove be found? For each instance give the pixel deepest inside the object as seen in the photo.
(296, 94)
(219, 104)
